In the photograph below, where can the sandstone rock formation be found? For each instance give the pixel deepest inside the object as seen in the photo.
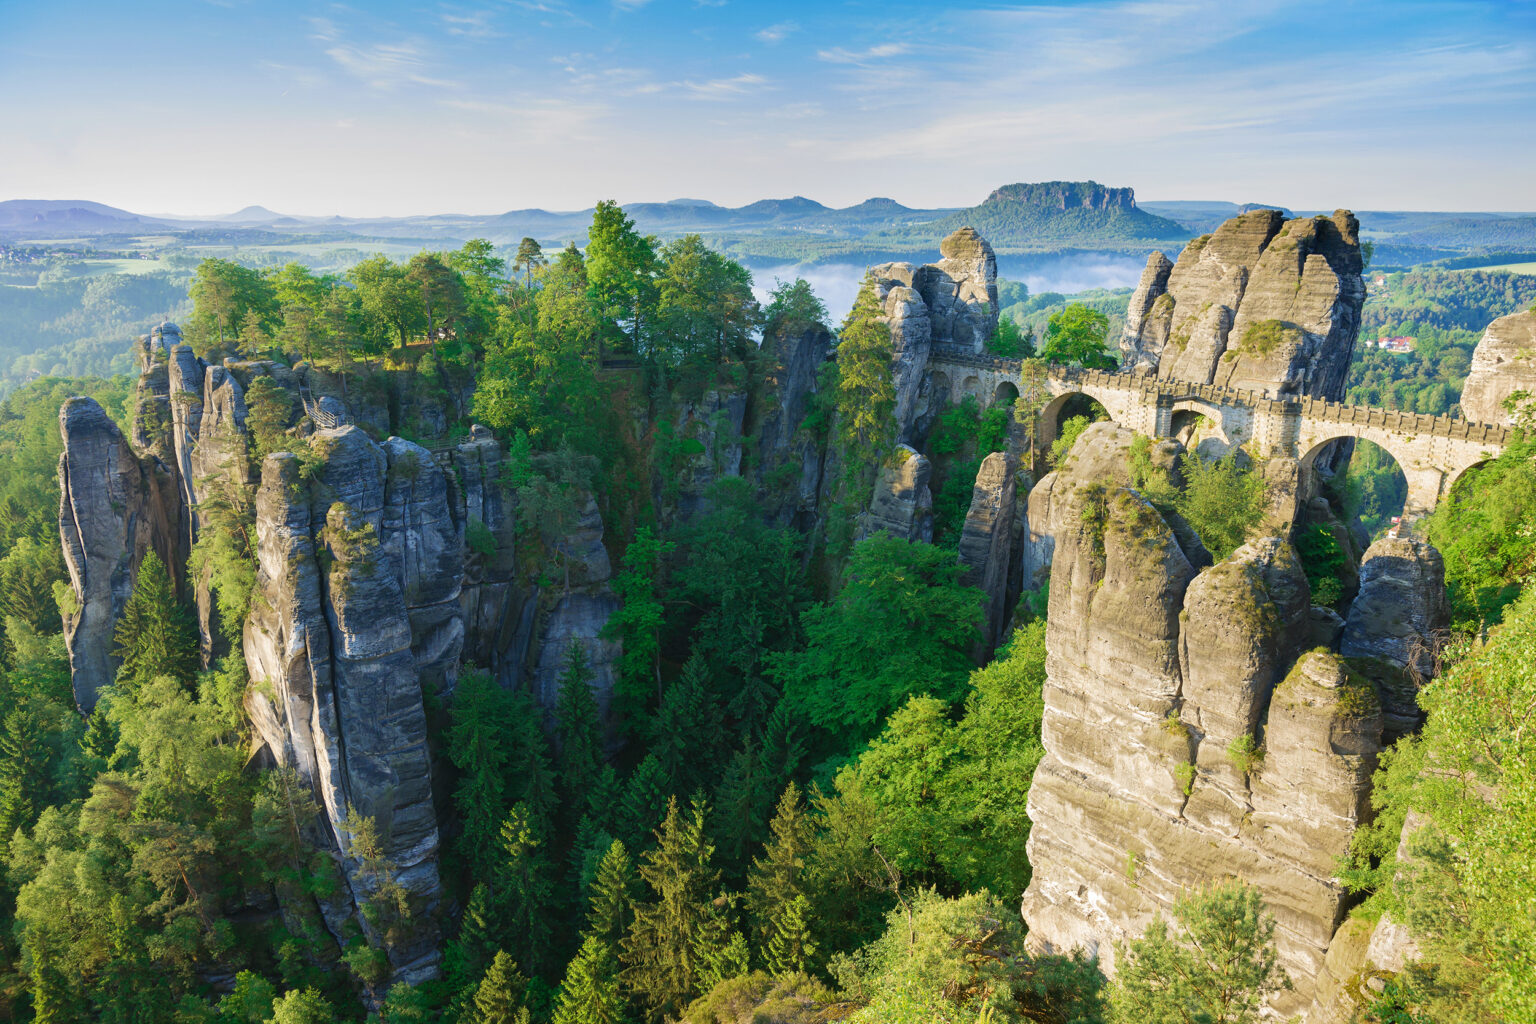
(987, 542)
(1160, 680)
(113, 507)
(1503, 363)
(902, 504)
(332, 655)
(1263, 303)
(949, 303)
(1398, 622)
(789, 460)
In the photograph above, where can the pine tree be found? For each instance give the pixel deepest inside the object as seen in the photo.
(775, 880)
(576, 723)
(499, 999)
(612, 905)
(590, 992)
(155, 635)
(661, 963)
(790, 946)
(524, 890)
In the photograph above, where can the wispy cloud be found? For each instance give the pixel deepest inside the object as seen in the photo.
(724, 88)
(778, 33)
(882, 51)
(386, 65)
(630, 5)
(470, 24)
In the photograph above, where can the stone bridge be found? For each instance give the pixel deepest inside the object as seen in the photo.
(1432, 451)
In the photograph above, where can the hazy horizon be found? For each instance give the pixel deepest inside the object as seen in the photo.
(494, 105)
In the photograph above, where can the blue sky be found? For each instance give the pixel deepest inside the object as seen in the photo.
(480, 106)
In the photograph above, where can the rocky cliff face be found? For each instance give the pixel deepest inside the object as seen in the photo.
(113, 507)
(1503, 363)
(988, 541)
(1263, 303)
(1157, 674)
(382, 569)
(902, 504)
(337, 692)
(789, 460)
(949, 303)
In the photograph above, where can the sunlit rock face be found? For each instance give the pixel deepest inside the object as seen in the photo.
(1263, 303)
(1160, 676)
(952, 303)
(1503, 363)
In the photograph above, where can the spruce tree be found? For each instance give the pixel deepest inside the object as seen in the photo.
(25, 759)
(776, 879)
(500, 997)
(155, 635)
(590, 993)
(524, 890)
(661, 964)
(645, 802)
(687, 730)
(467, 956)
(579, 729)
(790, 946)
(613, 896)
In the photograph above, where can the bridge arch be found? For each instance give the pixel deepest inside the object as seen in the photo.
(1062, 408)
(1424, 483)
(1185, 416)
(970, 386)
(1006, 393)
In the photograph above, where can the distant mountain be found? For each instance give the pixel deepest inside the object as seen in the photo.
(59, 217)
(253, 215)
(1025, 215)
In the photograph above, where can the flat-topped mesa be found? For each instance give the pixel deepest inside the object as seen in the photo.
(1503, 364)
(952, 303)
(1067, 195)
(1187, 738)
(1264, 303)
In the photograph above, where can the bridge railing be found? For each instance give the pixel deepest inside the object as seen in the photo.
(1453, 427)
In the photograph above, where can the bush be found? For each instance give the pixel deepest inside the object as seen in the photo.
(1322, 559)
(1245, 754)
(1070, 432)
(1221, 501)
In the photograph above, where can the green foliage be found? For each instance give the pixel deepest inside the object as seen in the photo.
(1221, 968)
(1009, 341)
(590, 993)
(866, 395)
(638, 621)
(1486, 531)
(787, 999)
(902, 624)
(499, 997)
(1373, 488)
(963, 959)
(1245, 754)
(1222, 501)
(1470, 872)
(1322, 560)
(792, 307)
(1077, 335)
(662, 966)
(1066, 437)
(497, 744)
(1265, 337)
(155, 635)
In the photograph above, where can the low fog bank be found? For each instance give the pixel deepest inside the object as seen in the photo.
(837, 284)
